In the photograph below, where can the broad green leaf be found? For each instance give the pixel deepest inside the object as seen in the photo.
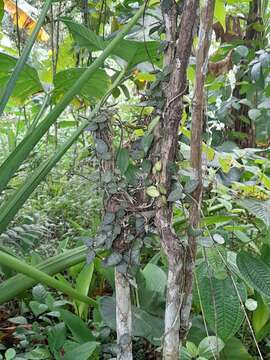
(155, 278)
(210, 346)
(77, 326)
(259, 208)
(255, 271)
(57, 336)
(10, 354)
(122, 160)
(82, 352)
(224, 313)
(235, 350)
(95, 87)
(143, 324)
(28, 82)
(133, 52)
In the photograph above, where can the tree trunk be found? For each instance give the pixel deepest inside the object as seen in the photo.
(123, 316)
(179, 43)
(205, 33)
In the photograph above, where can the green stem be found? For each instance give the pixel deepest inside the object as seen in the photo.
(41, 277)
(14, 286)
(17, 157)
(22, 60)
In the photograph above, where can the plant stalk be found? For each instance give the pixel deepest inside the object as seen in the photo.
(41, 277)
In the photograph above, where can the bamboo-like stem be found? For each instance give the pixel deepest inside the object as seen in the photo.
(16, 158)
(23, 58)
(14, 286)
(39, 276)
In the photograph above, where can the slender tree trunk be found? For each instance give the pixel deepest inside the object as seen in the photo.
(123, 316)
(205, 33)
(179, 43)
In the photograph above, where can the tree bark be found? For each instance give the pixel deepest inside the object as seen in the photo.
(177, 55)
(197, 121)
(123, 316)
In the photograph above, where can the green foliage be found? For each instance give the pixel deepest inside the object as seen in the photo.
(28, 82)
(255, 271)
(144, 324)
(221, 305)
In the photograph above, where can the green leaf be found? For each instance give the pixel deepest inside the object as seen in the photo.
(123, 160)
(254, 114)
(260, 316)
(10, 354)
(28, 82)
(38, 354)
(220, 12)
(83, 283)
(38, 308)
(57, 336)
(191, 186)
(113, 259)
(143, 324)
(242, 50)
(255, 271)
(133, 52)
(152, 191)
(210, 346)
(82, 352)
(146, 142)
(94, 88)
(224, 313)
(259, 208)
(192, 349)
(101, 146)
(78, 328)
(235, 350)
(155, 278)
(175, 195)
